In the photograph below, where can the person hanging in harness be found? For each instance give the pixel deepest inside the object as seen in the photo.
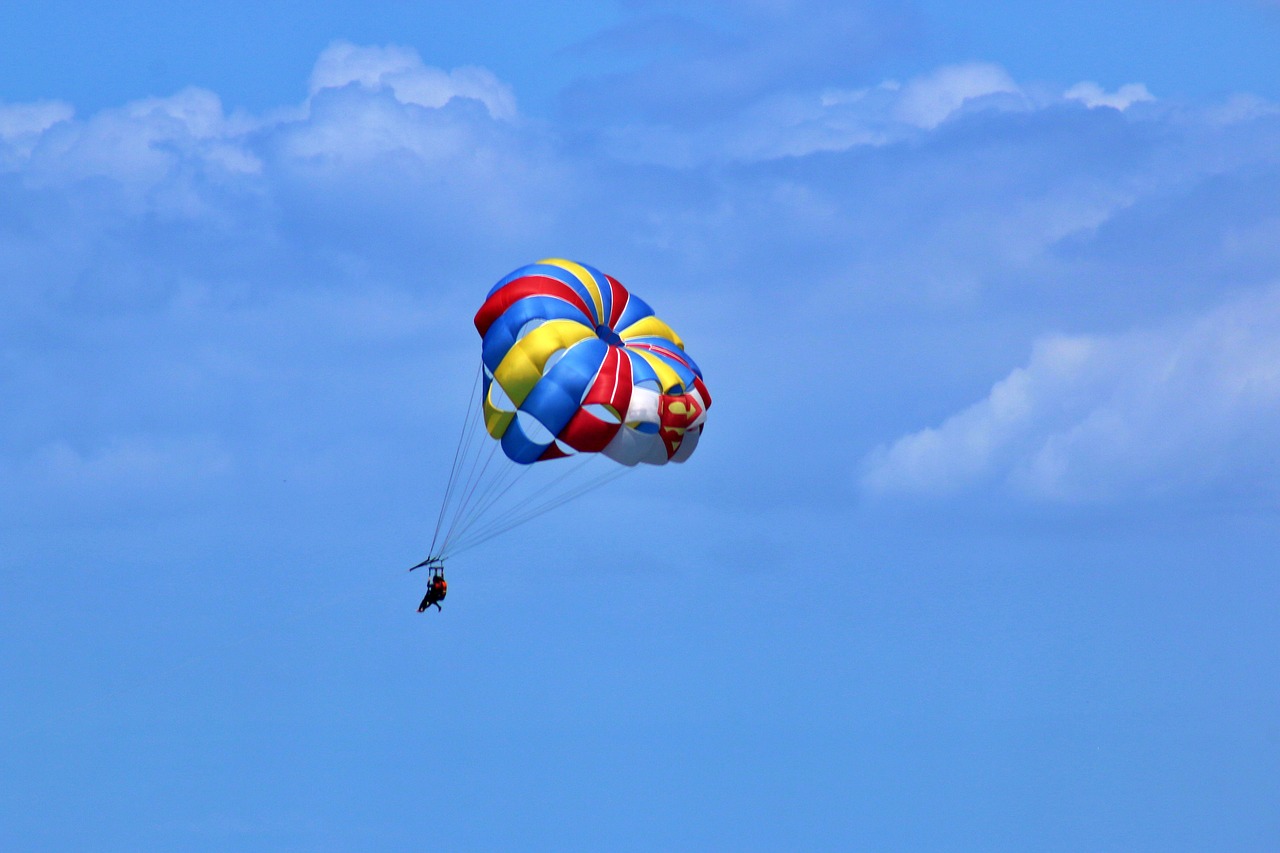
(436, 590)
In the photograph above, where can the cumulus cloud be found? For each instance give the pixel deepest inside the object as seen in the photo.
(364, 102)
(382, 138)
(1151, 413)
(23, 120)
(1092, 95)
(21, 125)
(796, 123)
(792, 124)
(928, 101)
(401, 71)
(142, 143)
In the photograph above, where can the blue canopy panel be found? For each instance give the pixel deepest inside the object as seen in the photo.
(558, 394)
(502, 335)
(518, 446)
(637, 309)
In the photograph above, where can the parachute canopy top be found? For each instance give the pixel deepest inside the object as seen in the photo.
(574, 363)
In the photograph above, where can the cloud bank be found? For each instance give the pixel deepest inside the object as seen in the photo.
(1150, 413)
(279, 280)
(794, 124)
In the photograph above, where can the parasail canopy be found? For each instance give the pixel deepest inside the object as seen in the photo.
(572, 364)
(575, 363)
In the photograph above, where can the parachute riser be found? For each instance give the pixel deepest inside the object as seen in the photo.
(435, 565)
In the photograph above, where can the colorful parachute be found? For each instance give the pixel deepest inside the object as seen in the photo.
(574, 363)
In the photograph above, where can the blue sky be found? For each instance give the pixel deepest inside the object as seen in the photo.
(977, 552)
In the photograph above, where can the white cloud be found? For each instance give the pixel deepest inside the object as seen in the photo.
(1155, 412)
(22, 125)
(1241, 108)
(831, 119)
(143, 142)
(1092, 95)
(358, 127)
(928, 101)
(377, 124)
(401, 71)
(23, 120)
(150, 141)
